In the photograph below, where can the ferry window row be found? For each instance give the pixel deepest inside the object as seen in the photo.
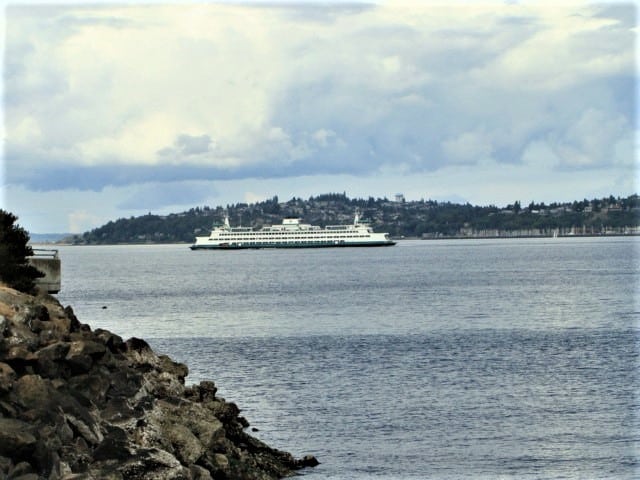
(296, 237)
(281, 233)
(303, 236)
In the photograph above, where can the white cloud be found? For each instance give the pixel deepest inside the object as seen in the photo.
(137, 141)
(539, 155)
(467, 147)
(596, 138)
(324, 137)
(131, 89)
(81, 221)
(250, 197)
(567, 46)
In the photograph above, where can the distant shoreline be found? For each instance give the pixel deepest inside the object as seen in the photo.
(508, 237)
(455, 237)
(415, 219)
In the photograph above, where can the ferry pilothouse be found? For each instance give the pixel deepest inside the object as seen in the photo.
(292, 234)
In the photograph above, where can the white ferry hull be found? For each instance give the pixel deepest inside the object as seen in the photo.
(241, 246)
(292, 234)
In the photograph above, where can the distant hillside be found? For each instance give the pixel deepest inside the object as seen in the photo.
(47, 237)
(421, 219)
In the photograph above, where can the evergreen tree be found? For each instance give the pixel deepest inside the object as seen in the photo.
(14, 250)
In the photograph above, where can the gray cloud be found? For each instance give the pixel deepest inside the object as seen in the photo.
(317, 13)
(192, 145)
(160, 195)
(626, 14)
(187, 145)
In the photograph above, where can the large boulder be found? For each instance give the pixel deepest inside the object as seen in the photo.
(16, 438)
(78, 404)
(7, 377)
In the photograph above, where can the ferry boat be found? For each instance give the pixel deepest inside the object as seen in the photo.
(292, 234)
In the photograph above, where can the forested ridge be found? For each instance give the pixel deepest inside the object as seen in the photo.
(421, 219)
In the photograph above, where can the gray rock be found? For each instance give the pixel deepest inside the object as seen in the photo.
(170, 367)
(7, 377)
(87, 347)
(4, 325)
(5, 466)
(79, 363)
(31, 391)
(307, 461)
(93, 385)
(20, 469)
(186, 446)
(199, 473)
(110, 340)
(26, 476)
(119, 410)
(16, 440)
(49, 359)
(150, 464)
(114, 446)
(89, 431)
(20, 357)
(207, 390)
(30, 311)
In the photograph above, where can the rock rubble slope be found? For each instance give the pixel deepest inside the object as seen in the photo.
(83, 404)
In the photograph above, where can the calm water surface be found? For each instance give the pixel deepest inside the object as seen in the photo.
(434, 359)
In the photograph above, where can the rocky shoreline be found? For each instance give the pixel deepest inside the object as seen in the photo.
(83, 404)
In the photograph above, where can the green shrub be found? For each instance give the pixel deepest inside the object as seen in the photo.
(14, 250)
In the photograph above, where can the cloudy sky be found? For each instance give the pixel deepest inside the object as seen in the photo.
(118, 110)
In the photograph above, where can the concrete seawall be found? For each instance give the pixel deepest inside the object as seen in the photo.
(48, 262)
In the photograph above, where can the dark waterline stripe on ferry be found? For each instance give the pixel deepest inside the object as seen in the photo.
(291, 245)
